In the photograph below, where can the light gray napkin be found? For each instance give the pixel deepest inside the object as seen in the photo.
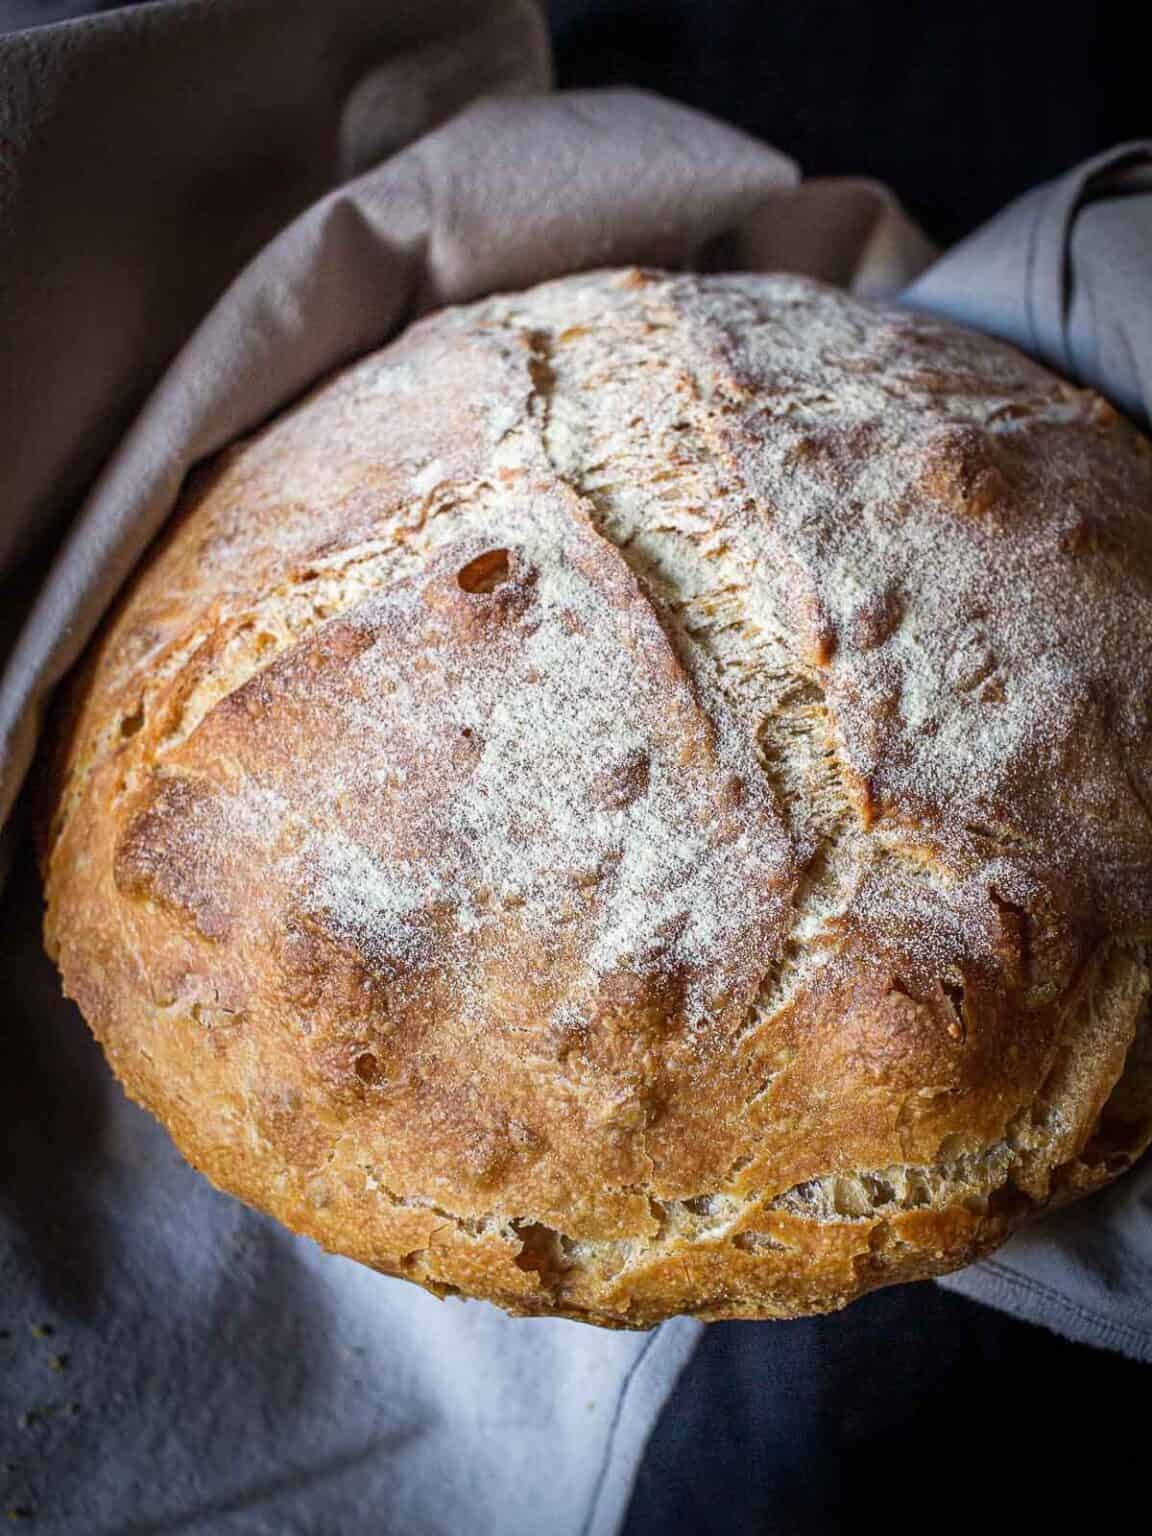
(1066, 274)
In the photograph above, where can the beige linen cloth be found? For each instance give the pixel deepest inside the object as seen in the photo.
(204, 206)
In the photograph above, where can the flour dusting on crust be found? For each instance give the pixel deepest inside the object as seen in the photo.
(637, 798)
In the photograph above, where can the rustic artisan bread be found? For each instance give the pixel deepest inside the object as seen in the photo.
(635, 799)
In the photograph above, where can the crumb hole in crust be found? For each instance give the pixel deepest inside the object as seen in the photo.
(487, 572)
(700, 1205)
(542, 1252)
(757, 1242)
(133, 722)
(367, 1067)
(954, 992)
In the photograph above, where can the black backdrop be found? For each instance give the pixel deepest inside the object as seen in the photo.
(960, 107)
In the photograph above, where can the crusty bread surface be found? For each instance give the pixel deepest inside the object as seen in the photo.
(635, 799)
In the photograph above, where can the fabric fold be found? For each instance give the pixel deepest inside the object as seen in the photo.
(1065, 273)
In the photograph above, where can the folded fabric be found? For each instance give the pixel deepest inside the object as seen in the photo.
(1065, 273)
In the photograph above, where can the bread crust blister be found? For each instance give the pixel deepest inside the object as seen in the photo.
(635, 799)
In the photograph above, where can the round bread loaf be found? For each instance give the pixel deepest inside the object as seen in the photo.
(636, 799)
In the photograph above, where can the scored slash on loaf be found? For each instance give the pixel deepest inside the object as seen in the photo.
(635, 799)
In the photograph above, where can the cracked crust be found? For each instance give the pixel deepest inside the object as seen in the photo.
(635, 800)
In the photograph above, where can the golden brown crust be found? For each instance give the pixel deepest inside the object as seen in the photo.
(635, 800)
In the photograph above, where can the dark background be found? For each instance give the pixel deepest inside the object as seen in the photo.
(960, 107)
(914, 1407)
(913, 1410)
